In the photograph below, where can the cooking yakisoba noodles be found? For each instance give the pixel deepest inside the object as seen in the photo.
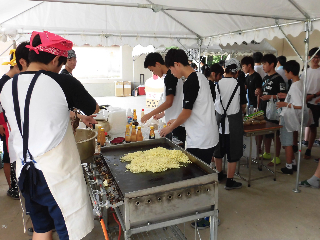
(155, 160)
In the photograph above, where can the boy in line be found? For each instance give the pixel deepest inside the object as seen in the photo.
(257, 56)
(253, 81)
(273, 84)
(279, 69)
(173, 92)
(313, 91)
(293, 100)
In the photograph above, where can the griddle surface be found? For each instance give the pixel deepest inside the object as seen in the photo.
(130, 182)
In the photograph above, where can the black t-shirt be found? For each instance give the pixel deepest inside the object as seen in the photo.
(64, 71)
(242, 77)
(190, 90)
(253, 82)
(170, 83)
(272, 85)
(243, 93)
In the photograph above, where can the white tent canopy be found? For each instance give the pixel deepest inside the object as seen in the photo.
(146, 23)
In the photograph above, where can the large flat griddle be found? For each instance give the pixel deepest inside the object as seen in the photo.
(130, 182)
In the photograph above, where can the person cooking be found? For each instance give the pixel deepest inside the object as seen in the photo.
(49, 172)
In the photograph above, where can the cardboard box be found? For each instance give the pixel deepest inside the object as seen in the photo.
(118, 89)
(127, 88)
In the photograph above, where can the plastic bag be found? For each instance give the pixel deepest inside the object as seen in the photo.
(246, 147)
(291, 120)
(271, 112)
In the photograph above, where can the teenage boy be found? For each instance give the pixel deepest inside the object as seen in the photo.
(279, 69)
(198, 113)
(313, 91)
(173, 92)
(71, 63)
(40, 99)
(253, 81)
(203, 65)
(257, 56)
(7, 166)
(293, 100)
(273, 84)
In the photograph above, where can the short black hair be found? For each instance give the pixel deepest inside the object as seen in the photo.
(269, 58)
(257, 57)
(193, 65)
(152, 58)
(247, 60)
(176, 55)
(292, 66)
(313, 51)
(203, 60)
(43, 57)
(22, 53)
(216, 68)
(221, 63)
(282, 60)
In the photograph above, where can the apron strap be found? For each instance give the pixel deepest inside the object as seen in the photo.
(29, 175)
(224, 115)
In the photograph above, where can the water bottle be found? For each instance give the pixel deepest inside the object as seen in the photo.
(251, 109)
(129, 116)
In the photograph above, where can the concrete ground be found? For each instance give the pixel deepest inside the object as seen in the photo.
(267, 210)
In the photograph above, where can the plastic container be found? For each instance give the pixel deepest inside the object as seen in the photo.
(129, 116)
(118, 121)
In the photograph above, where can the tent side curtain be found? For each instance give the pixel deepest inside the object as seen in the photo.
(108, 25)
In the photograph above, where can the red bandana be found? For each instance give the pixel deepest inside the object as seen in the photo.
(51, 43)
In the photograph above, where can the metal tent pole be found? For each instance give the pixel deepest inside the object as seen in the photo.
(199, 64)
(306, 41)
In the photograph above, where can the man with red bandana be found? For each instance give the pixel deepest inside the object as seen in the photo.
(37, 105)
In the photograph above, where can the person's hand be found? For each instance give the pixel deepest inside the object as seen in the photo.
(89, 120)
(145, 118)
(2, 131)
(281, 104)
(265, 97)
(165, 131)
(282, 95)
(170, 122)
(258, 92)
(158, 116)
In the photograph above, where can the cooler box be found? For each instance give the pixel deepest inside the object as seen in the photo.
(141, 90)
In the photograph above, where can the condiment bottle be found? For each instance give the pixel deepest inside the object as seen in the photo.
(134, 115)
(151, 135)
(133, 134)
(169, 135)
(128, 135)
(102, 137)
(129, 116)
(139, 135)
(99, 134)
(142, 113)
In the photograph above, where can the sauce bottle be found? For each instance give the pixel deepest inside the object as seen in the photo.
(139, 135)
(99, 135)
(142, 113)
(151, 135)
(134, 115)
(169, 135)
(102, 137)
(128, 135)
(133, 134)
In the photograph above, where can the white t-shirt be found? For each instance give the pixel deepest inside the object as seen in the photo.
(227, 86)
(201, 126)
(294, 96)
(173, 85)
(259, 69)
(52, 98)
(313, 82)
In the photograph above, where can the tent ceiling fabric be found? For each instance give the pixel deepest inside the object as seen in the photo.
(89, 23)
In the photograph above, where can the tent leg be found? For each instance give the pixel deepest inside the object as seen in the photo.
(199, 64)
(306, 41)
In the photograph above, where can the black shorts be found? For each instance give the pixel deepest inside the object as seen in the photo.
(315, 109)
(44, 210)
(220, 150)
(180, 133)
(6, 158)
(203, 154)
